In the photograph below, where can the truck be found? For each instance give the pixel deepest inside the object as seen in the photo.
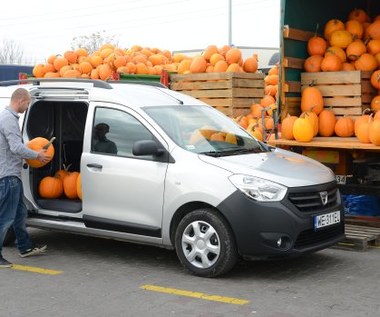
(355, 164)
(13, 72)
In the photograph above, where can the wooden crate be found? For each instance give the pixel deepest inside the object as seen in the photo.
(347, 92)
(231, 93)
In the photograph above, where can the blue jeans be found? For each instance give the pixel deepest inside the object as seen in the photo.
(13, 212)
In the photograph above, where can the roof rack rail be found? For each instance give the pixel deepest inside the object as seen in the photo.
(36, 81)
(139, 82)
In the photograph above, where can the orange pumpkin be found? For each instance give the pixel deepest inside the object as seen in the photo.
(209, 51)
(358, 15)
(331, 63)
(70, 185)
(250, 65)
(375, 79)
(39, 71)
(363, 118)
(348, 67)
(256, 110)
(355, 28)
(50, 187)
(374, 132)
(267, 100)
(363, 131)
(220, 66)
(375, 103)
(373, 47)
(373, 30)
(79, 187)
(355, 50)
(59, 62)
(366, 62)
(312, 64)
(287, 127)
(344, 127)
(255, 131)
(331, 26)
(334, 50)
(198, 65)
(233, 55)
(303, 131)
(316, 45)
(38, 144)
(313, 118)
(326, 122)
(340, 38)
(311, 100)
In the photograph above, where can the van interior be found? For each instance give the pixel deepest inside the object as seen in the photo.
(65, 121)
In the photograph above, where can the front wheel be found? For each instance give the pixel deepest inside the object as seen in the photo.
(205, 244)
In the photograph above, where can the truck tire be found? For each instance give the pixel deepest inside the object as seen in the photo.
(205, 244)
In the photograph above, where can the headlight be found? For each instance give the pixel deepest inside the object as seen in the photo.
(257, 188)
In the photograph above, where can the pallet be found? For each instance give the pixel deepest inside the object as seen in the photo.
(348, 93)
(231, 93)
(360, 237)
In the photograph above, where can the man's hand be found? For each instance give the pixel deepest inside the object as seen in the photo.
(43, 157)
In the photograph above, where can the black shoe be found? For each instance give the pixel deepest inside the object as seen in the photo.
(4, 263)
(38, 249)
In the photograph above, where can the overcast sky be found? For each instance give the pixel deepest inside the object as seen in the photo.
(43, 28)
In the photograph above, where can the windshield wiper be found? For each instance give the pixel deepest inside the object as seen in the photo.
(232, 152)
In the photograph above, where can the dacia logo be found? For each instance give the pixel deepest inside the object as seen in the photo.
(324, 197)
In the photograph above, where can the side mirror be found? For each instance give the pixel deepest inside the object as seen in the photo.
(146, 147)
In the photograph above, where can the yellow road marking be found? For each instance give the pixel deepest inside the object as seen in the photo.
(216, 298)
(34, 269)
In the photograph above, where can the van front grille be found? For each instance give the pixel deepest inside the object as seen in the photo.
(313, 200)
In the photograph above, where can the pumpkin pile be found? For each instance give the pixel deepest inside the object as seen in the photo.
(350, 45)
(63, 183)
(109, 60)
(346, 46)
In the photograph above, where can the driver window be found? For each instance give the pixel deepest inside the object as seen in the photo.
(114, 132)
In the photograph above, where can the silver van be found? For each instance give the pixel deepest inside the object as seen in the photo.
(176, 173)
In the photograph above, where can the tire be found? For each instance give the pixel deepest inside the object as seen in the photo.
(205, 244)
(10, 237)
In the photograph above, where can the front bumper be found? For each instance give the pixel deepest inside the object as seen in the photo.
(279, 228)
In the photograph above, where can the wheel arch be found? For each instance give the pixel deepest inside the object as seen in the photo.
(188, 207)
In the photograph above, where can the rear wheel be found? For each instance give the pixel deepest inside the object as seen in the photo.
(205, 244)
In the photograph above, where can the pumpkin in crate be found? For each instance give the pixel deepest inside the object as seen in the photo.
(50, 187)
(38, 144)
(70, 185)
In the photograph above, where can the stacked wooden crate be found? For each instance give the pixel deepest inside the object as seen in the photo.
(231, 93)
(348, 93)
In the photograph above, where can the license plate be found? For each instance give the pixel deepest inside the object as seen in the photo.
(326, 219)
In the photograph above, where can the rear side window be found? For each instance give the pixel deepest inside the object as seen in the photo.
(114, 132)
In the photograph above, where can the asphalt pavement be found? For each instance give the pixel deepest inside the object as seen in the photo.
(85, 276)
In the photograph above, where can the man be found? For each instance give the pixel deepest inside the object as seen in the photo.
(101, 143)
(12, 151)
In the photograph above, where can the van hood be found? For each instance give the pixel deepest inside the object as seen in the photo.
(283, 167)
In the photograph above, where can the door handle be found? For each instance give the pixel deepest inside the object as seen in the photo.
(94, 165)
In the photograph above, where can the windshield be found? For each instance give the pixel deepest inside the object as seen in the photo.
(202, 129)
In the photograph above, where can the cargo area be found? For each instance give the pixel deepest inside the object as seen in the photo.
(65, 121)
